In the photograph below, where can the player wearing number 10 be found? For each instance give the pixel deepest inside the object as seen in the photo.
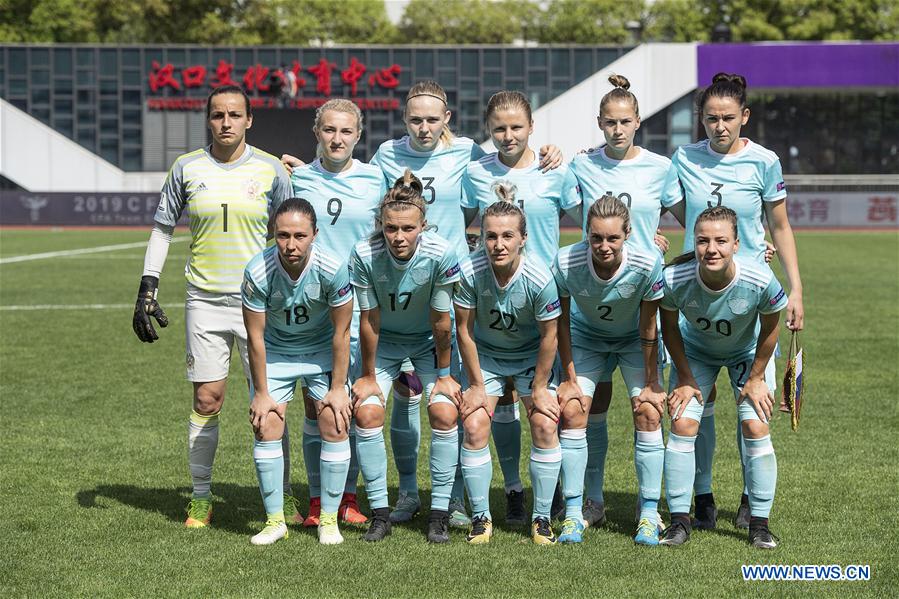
(345, 194)
(228, 189)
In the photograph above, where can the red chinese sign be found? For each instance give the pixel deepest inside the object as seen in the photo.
(265, 80)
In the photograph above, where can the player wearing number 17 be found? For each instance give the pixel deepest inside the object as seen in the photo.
(228, 189)
(729, 315)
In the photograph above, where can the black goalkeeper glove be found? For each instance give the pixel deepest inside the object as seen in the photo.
(145, 307)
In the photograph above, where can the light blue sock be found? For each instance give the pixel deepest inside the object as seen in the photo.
(506, 429)
(285, 449)
(597, 447)
(544, 469)
(761, 471)
(680, 468)
(477, 468)
(649, 459)
(405, 436)
(741, 447)
(373, 463)
(705, 451)
(334, 464)
(574, 466)
(352, 475)
(458, 493)
(269, 459)
(312, 448)
(444, 462)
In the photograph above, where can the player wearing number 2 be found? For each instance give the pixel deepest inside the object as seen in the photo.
(733, 171)
(345, 194)
(228, 189)
(647, 183)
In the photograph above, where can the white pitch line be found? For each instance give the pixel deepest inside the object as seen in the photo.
(28, 308)
(93, 250)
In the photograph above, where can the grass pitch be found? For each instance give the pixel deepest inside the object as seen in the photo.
(94, 480)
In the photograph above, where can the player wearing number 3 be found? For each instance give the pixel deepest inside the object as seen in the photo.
(228, 189)
(345, 194)
(733, 171)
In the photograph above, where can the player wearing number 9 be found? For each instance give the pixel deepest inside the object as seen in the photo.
(730, 307)
(228, 189)
(729, 170)
(404, 276)
(507, 307)
(345, 193)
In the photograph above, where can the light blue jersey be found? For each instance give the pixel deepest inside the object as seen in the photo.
(506, 324)
(740, 181)
(345, 203)
(297, 313)
(404, 291)
(542, 196)
(645, 183)
(605, 315)
(440, 171)
(720, 325)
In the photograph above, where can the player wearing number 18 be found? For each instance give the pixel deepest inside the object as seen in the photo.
(729, 308)
(228, 189)
(404, 277)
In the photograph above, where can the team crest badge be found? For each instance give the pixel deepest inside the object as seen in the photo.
(421, 275)
(519, 299)
(313, 290)
(738, 305)
(253, 188)
(626, 290)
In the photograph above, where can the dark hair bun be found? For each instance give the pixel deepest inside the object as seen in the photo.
(620, 81)
(732, 78)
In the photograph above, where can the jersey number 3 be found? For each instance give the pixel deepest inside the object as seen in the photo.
(716, 191)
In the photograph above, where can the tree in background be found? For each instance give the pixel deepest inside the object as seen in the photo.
(589, 21)
(466, 21)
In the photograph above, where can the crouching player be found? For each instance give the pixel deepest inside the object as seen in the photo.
(507, 307)
(404, 277)
(297, 306)
(730, 310)
(610, 296)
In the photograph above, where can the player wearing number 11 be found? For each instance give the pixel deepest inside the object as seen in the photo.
(228, 189)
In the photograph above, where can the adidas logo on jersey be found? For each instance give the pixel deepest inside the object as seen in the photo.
(693, 304)
(277, 294)
(583, 293)
(486, 293)
(382, 279)
(201, 187)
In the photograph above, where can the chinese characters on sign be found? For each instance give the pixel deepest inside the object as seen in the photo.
(265, 80)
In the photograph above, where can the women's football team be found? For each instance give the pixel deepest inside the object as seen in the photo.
(372, 292)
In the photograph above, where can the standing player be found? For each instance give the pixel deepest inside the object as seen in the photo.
(647, 183)
(404, 279)
(542, 196)
(730, 307)
(229, 189)
(610, 295)
(297, 306)
(345, 194)
(506, 311)
(733, 171)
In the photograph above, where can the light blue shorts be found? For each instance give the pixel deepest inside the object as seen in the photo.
(595, 366)
(283, 372)
(393, 358)
(495, 371)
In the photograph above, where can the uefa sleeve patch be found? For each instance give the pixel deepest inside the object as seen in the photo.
(344, 290)
(781, 186)
(777, 297)
(453, 270)
(553, 305)
(660, 284)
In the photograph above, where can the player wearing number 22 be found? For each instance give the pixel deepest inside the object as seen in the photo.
(345, 193)
(729, 308)
(404, 277)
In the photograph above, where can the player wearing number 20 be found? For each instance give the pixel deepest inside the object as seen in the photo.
(345, 194)
(228, 189)
(730, 311)
(404, 277)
